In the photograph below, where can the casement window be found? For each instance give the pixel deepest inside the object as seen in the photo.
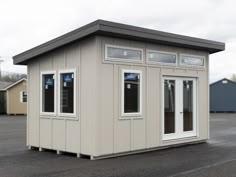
(23, 97)
(67, 92)
(48, 93)
(159, 57)
(131, 93)
(126, 54)
(192, 60)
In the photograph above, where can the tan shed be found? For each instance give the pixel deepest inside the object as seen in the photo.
(109, 89)
(16, 97)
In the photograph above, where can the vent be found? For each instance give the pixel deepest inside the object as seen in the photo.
(224, 82)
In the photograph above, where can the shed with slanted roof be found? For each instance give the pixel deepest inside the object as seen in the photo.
(109, 89)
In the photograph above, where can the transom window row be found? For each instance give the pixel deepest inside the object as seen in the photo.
(128, 54)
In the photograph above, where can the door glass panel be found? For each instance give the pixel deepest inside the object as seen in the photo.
(188, 105)
(169, 102)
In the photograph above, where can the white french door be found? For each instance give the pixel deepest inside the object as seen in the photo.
(179, 107)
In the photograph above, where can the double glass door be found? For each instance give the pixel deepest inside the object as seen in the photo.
(179, 104)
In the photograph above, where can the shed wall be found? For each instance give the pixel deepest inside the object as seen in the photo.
(14, 104)
(116, 135)
(58, 132)
(97, 129)
(222, 97)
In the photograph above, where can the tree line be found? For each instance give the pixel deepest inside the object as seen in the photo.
(11, 77)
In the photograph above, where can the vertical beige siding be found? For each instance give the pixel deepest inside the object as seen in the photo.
(33, 102)
(104, 137)
(203, 105)
(14, 104)
(88, 96)
(46, 133)
(138, 126)
(28, 108)
(98, 128)
(153, 108)
(72, 136)
(57, 132)
(122, 137)
(45, 125)
(145, 132)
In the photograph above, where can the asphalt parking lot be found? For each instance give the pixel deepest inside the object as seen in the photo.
(216, 158)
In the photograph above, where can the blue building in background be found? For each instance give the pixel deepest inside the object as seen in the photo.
(223, 96)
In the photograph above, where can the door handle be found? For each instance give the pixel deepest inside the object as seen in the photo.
(181, 112)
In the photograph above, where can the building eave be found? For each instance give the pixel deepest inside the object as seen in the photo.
(106, 28)
(13, 84)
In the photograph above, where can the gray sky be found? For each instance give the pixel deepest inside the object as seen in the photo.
(27, 23)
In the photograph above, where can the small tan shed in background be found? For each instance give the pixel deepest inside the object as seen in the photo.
(16, 97)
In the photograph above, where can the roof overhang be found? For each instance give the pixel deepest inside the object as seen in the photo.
(216, 82)
(106, 28)
(13, 84)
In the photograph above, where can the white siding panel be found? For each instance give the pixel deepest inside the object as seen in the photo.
(88, 96)
(46, 133)
(45, 62)
(138, 125)
(138, 134)
(122, 131)
(58, 134)
(203, 105)
(33, 113)
(72, 136)
(122, 136)
(153, 107)
(58, 58)
(104, 133)
(72, 56)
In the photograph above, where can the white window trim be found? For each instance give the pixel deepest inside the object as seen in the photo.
(59, 93)
(21, 96)
(129, 115)
(122, 59)
(55, 93)
(195, 56)
(161, 63)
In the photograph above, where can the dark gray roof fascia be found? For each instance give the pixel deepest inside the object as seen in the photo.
(106, 28)
(133, 32)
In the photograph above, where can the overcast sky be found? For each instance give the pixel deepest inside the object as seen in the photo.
(28, 23)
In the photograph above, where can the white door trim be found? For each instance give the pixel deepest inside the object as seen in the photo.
(179, 133)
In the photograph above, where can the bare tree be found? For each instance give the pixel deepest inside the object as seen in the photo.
(12, 77)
